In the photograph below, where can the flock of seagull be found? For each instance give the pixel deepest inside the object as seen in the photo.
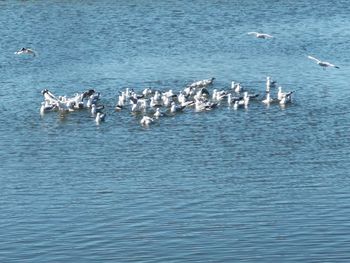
(321, 63)
(153, 104)
(85, 100)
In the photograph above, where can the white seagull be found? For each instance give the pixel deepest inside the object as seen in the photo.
(270, 84)
(95, 109)
(281, 94)
(146, 120)
(323, 64)
(202, 83)
(100, 117)
(174, 108)
(268, 99)
(24, 50)
(158, 113)
(46, 107)
(236, 87)
(49, 97)
(260, 35)
(286, 98)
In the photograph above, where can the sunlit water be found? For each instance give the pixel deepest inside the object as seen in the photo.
(263, 184)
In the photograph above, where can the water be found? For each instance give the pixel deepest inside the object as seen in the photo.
(256, 185)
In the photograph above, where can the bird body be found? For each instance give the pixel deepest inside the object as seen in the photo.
(174, 108)
(46, 107)
(284, 97)
(236, 87)
(95, 109)
(100, 117)
(146, 120)
(153, 103)
(202, 83)
(268, 99)
(24, 50)
(260, 35)
(49, 97)
(241, 101)
(158, 114)
(281, 94)
(93, 99)
(236, 105)
(270, 84)
(219, 95)
(323, 64)
(147, 91)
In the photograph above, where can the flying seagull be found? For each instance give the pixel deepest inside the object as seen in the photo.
(323, 64)
(260, 35)
(25, 51)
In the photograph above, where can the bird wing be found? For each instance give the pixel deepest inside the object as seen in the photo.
(252, 33)
(313, 58)
(133, 100)
(267, 35)
(329, 64)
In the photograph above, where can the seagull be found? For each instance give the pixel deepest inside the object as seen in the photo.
(158, 114)
(268, 99)
(119, 107)
(203, 93)
(95, 109)
(236, 87)
(157, 96)
(323, 64)
(142, 104)
(49, 97)
(242, 101)
(65, 106)
(210, 105)
(202, 83)
(120, 103)
(46, 107)
(218, 95)
(146, 120)
(147, 92)
(93, 99)
(24, 50)
(200, 105)
(153, 103)
(236, 105)
(166, 100)
(78, 101)
(100, 117)
(281, 94)
(260, 35)
(174, 108)
(189, 91)
(133, 99)
(88, 93)
(286, 98)
(270, 84)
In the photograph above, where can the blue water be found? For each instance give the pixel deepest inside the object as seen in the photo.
(263, 184)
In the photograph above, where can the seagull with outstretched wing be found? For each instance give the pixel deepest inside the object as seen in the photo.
(323, 64)
(260, 35)
(26, 51)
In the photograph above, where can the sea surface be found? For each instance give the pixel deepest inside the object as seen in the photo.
(262, 184)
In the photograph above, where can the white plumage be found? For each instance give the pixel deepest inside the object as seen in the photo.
(260, 35)
(323, 64)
